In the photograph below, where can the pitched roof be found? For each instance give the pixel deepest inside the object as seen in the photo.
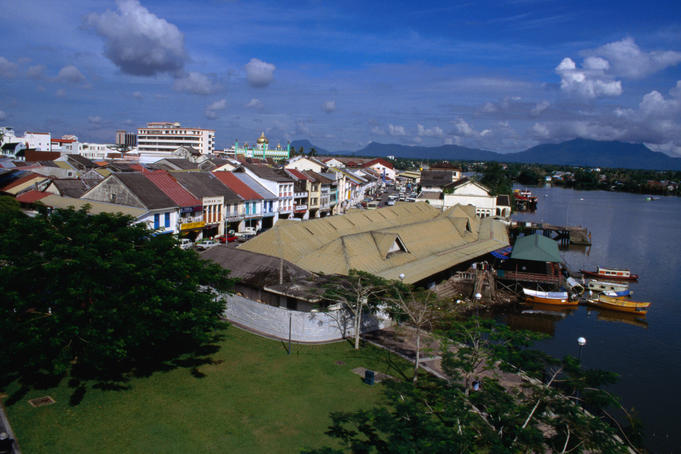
(298, 174)
(436, 178)
(81, 161)
(536, 248)
(32, 196)
(378, 161)
(268, 173)
(172, 189)
(20, 181)
(176, 164)
(238, 186)
(205, 184)
(318, 177)
(74, 187)
(411, 238)
(56, 201)
(148, 193)
(255, 186)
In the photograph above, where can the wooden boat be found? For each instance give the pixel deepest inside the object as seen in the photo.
(611, 274)
(602, 286)
(623, 294)
(554, 298)
(616, 304)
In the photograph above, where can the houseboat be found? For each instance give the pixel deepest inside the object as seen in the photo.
(610, 274)
(617, 304)
(553, 298)
(524, 200)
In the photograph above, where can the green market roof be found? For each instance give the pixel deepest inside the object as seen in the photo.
(537, 248)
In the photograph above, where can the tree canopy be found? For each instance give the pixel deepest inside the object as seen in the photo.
(94, 293)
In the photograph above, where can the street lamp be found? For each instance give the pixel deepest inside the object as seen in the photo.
(402, 277)
(581, 341)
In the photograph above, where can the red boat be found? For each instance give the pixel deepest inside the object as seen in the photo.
(611, 274)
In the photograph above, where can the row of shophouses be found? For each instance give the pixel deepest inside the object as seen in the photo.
(199, 197)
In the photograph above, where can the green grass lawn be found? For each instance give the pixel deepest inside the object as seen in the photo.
(252, 398)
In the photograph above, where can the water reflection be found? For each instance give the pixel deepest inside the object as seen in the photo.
(536, 317)
(618, 317)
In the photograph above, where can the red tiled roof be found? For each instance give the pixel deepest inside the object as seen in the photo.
(238, 186)
(140, 168)
(172, 188)
(63, 140)
(378, 161)
(32, 196)
(298, 174)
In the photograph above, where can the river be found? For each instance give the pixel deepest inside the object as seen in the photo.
(645, 236)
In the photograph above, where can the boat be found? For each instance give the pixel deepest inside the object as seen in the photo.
(554, 298)
(611, 273)
(621, 305)
(603, 286)
(621, 294)
(524, 199)
(576, 288)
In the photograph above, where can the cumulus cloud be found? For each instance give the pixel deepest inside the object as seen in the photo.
(214, 108)
(35, 72)
(654, 104)
(462, 128)
(590, 81)
(435, 131)
(626, 58)
(138, 41)
(396, 130)
(539, 108)
(329, 106)
(7, 68)
(70, 74)
(196, 83)
(259, 73)
(255, 103)
(485, 132)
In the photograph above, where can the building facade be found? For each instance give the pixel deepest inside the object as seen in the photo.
(261, 149)
(165, 137)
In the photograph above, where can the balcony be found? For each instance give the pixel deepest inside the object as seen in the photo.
(233, 217)
(300, 208)
(300, 195)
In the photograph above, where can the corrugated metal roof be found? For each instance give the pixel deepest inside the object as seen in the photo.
(257, 187)
(361, 240)
(238, 186)
(146, 191)
(32, 196)
(172, 189)
(205, 184)
(537, 248)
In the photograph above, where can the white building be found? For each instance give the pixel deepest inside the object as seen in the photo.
(165, 137)
(466, 192)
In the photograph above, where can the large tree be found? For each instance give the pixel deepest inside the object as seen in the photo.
(94, 293)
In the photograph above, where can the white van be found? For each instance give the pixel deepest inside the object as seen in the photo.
(186, 243)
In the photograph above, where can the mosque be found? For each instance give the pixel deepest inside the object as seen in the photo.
(261, 149)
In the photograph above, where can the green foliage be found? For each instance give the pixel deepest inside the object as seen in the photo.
(94, 294)
(496, 179)
(500, 417)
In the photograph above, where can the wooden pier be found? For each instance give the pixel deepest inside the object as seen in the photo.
(565, 235)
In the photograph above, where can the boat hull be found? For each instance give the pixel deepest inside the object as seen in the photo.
(616, 304)
(609, 277)
(565, 302)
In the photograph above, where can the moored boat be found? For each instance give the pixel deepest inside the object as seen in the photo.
(620, 295)
(603, 286)
(617, 304)
(554, 298)
(611, 273)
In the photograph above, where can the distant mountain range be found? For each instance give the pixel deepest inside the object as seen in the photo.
(577, 152)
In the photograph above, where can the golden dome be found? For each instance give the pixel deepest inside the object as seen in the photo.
(262, 139)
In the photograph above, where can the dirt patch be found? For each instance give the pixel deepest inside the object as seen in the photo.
(42, 401)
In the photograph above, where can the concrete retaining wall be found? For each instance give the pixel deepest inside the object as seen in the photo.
(305, 326)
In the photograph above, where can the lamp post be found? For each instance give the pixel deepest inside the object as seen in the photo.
(401, 277)
(581, 341)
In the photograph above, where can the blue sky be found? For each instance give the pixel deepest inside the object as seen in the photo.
(488, 74)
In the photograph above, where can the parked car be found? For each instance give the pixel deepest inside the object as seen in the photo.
(206, 244)
(229, 237)
(186, 243)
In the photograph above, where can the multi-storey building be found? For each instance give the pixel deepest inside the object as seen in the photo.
(165, 137)
(126, 139)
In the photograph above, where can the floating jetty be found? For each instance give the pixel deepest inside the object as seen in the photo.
(565, 235)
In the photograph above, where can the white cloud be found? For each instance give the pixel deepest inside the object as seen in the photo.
(590, 81)
(376, 130)
(628, 60)
(540, 131)
(138, 41)
(485, 132)
(255, 103)
(462, 128)
(329, 106)
(215, 107)
(259, 73)
(7, 68)
(655, 105)
(196, 83)
(35, 72)
(70, 74)
(435, 131)
(394, 130)
(95, 120)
